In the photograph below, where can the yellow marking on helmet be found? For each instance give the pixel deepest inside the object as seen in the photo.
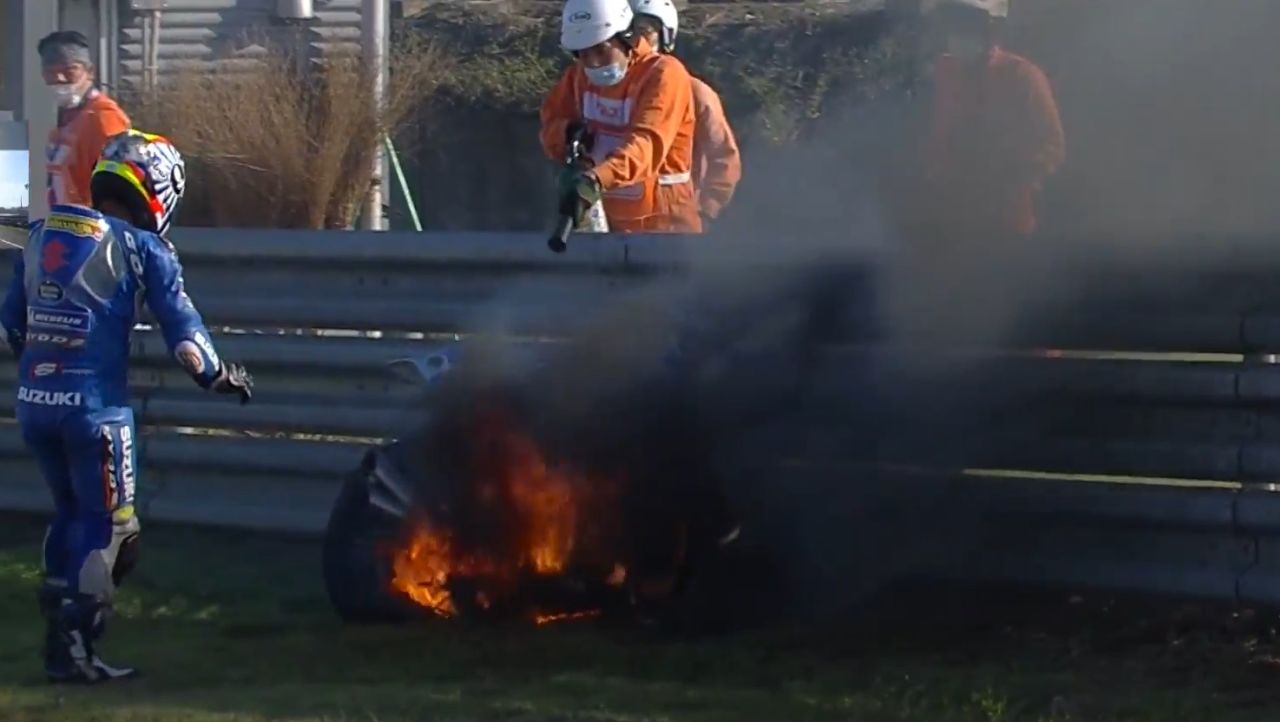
(125, 171)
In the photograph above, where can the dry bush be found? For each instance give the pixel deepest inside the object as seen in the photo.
(269, 146)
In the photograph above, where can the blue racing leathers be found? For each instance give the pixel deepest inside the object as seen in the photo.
(70, 308)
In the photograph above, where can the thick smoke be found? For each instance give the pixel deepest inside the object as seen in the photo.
(810, 335)
(1169, 108)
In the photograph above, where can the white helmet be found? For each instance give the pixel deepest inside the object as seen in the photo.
(666, 13)
(587, 23)
(994, 8)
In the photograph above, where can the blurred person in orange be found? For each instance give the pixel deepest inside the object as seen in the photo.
(994, 134)
(634, 108)
(717, 163)
(86, 117)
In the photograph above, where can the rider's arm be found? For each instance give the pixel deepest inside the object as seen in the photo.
(13, 314)
(184, 331)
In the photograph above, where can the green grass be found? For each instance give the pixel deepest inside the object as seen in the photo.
(234, 627)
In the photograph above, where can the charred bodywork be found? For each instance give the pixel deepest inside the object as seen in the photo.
(471, 517)
(587, 481)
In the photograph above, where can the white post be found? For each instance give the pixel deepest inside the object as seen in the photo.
(375, 29)
(39, 18)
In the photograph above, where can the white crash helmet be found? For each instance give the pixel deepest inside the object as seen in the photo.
(666, 13)
(587, 23)
(993, 8)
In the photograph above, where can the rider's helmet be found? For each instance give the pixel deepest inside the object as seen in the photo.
(144, 173)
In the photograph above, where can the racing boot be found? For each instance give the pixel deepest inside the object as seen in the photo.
(716, 522)
(730, 530)
(79, 622)
(50, 599)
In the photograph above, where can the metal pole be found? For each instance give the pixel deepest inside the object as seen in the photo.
(39, 18)
(404, 185)
(374, 31)
(153, 56)
(11, 59)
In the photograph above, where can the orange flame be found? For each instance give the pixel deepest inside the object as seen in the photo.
(617, 577)
(542, 619)
(544, 500)
(545, 504)
(422, 570)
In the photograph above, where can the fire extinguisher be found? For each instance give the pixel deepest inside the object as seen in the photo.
(594, 220)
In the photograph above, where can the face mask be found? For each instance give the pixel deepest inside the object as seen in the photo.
(606, 75)
(67, 95)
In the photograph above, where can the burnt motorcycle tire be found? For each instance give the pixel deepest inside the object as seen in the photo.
(356, 571)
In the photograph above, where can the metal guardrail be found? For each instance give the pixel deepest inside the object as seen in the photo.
(313, 316)
(1130, 469)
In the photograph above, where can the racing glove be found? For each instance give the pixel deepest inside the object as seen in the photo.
(579, 190)
(17, 342)
(234, 379)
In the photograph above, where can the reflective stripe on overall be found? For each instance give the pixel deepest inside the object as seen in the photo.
(610, 121)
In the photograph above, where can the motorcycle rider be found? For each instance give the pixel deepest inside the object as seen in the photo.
(68, 315)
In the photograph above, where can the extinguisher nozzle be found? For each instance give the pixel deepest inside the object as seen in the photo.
(559, 240)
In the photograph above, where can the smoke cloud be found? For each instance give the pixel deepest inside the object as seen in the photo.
(783, 381)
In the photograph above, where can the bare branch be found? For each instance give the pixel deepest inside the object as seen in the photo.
(270, 147)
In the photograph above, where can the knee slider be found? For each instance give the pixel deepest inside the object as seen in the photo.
(126, 558)
(47, 550)
(104, 568)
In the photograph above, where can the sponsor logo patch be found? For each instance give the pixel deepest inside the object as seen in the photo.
(53, 339)
(126, 464)
(109, 483)
(64, 320)
(76, 226)
(52, 368)
(119, 489)
(49, 398)
(46, 369)
(135, 260)
(53, 256)
(49, 291)
(205, 344)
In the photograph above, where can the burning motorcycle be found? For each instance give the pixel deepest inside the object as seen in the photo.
(476, 515)
(581, 480)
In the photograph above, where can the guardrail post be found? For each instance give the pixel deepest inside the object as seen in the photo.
(374, 28)
(39, 18)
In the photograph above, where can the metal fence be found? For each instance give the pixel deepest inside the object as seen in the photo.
(315, 317)
(161, 40)
(1126, 437)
